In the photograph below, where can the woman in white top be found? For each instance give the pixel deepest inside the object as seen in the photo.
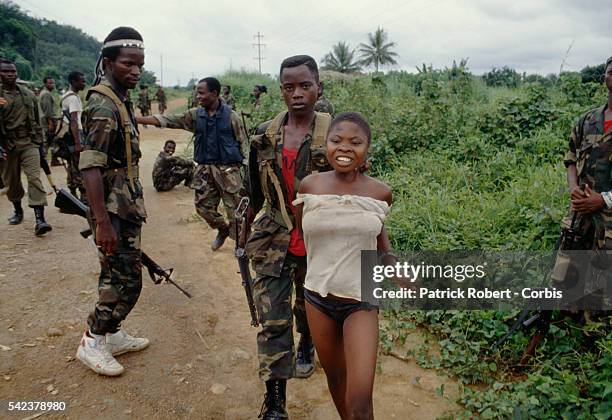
(341, 212)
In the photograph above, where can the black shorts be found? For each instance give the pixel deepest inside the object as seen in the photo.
(338, 310)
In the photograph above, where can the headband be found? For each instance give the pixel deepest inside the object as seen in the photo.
(124, 43)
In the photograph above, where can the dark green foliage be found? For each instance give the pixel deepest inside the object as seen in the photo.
(41, 47)
(502, 77)
(593, 74)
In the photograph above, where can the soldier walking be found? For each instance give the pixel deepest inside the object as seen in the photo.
(71, 132)
(219, 136)
(21, 139)
(228, 98)
(160, 95)
(283, 152)
(109, 166)
(49, 117)
(144, 103)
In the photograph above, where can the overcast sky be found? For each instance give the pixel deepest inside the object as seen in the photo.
(208, 37)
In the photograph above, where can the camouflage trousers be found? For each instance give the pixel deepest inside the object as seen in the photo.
(168, 179)
(213, 183)
(73, 176)
(273, 297)
(120, 279)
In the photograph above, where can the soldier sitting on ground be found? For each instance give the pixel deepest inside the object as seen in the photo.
(169, 171)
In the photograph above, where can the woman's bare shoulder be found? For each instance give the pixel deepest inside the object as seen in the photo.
(379, 190)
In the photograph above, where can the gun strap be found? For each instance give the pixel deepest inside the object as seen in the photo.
(125, 122)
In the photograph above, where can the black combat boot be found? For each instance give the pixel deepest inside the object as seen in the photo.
(41, 227)
(17, 216)
(222, 235)
(273, 407)
(305, 359)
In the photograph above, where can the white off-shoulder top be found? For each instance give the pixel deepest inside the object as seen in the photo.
(336, 229)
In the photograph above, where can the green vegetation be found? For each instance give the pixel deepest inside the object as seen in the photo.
(478, 165)
(41, 47)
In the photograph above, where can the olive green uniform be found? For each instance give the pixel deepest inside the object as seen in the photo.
(22, 138)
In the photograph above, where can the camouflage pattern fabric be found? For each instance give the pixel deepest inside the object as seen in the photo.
(213, 184)
(187, 121)
(104, 148)
(73, 176)
(272, 297)
(144, 103)
(269, 241)
(160, 95)
(169, 171)
(590, 149)
(120, 280)
(267, 247)
(229, 101)
(323, 105)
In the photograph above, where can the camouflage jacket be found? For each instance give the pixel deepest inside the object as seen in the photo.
(187, 121)
(143, 100)
(164, 163)
(267, 246)
(590, 149)
(160, 95)
(323, 105)
(104, 147)
(19, 119)
(229, 101)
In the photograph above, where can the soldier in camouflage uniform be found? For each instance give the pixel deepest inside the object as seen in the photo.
(228, 98)
(109, 166)
(49, 117)
(21, 138)
(162, 104)
(144, 103)
(589, 164)
(323, 104)
(169, 171)
(283, 151)
(219, 137)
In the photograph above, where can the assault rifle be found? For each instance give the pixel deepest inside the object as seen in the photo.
(69, 204)
(243, 260)
(539, 318)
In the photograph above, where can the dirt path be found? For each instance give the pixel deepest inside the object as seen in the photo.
(202, 362)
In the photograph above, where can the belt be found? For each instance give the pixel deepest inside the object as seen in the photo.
(123, 171)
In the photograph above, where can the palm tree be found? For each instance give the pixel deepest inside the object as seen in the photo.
(341, 59)
(377, 51)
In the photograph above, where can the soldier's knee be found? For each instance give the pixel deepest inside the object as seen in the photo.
(272, 329)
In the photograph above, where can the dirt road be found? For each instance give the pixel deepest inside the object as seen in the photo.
(202, 362)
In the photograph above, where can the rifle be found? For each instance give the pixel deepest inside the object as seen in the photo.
(69, 204)
(243, 260)
(539, 318)
(45, 167)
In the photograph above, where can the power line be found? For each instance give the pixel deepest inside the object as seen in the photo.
(258, 44)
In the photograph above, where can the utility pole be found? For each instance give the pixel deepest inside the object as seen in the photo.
(161, 72)
(258, 44)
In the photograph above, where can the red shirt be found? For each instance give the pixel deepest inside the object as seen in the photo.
(607, 125)
(296, 244)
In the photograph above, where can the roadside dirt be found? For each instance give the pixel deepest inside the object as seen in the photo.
(202, 362)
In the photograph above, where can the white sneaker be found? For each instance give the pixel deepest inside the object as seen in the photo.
(121, 342)
(94, 353)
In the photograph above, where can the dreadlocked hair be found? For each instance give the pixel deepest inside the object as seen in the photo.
(122, 32)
